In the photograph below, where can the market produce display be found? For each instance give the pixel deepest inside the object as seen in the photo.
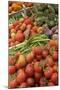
(33, 45)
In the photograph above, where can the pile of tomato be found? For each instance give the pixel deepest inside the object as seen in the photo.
(38, 68)
(21, 29)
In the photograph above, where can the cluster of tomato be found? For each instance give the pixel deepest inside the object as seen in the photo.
(20, 29)
(38, 68)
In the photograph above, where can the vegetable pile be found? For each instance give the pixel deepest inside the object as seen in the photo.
(38, 68)
(33, 45)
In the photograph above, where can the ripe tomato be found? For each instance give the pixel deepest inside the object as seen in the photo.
(55, 68)
(55, 56)
(13, 84)
(20, 36)
(38, 57)
(15, 23)
(37, 50)
(29, 70)
(21, 77)
(44, 53)
(30, 57)
(37, 76)
(11, 69)
(30, 82)
(54, 78)
(37, 67)
(17, 66)
(48, 72)
(28, 21)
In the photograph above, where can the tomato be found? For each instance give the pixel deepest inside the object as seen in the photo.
(11, 69)
(28, 21)
(50, 84)
(48, 72)
(37, 50)
(37, 67)
(54, 78)
(38, 57)
(55, 56)
(29, 70)
(43, 81)
(53, 43)
(23, 27)
(30, 82)
(23, 85)
(55, 68)
(11, 60)
(29, 57)
(37, 76)
(44, 53)
(20, 37)
(13, 84)
(15, 23)
(17, 66)
(17, 27)
(21, 77)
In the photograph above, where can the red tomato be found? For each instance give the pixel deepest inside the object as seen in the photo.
(30, 57)
(15, 23)
(44, 53)
(11, 69)
(20, 37)
(29, 70)
(28, 21)
(23, 85)
(43, 81)
(17, 27)
(17, 66)
(13, 84)
(21, 77)
(37, 50)
(38, 57)
(37, 76)
(11, 60)
(30, 82)
(55, 56)
(55, 68)
(48, 72)
(37, 67)
(54, 78)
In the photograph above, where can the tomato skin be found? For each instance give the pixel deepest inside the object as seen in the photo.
(38, 57)
(44, 53)
(48, 72)
(28, 21)
(55, 56)
(29, 70)
(30, 57)
(21, 77)
(15, 23)
(30, 82)
(23, 85)
(42, 81)
(17, 54)
(54, 78)
(13, 84)
(11, 60)
(55, 68)
(37, 67)
(20, 36)
(37, 50)
(37, 76)
(11, 69)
